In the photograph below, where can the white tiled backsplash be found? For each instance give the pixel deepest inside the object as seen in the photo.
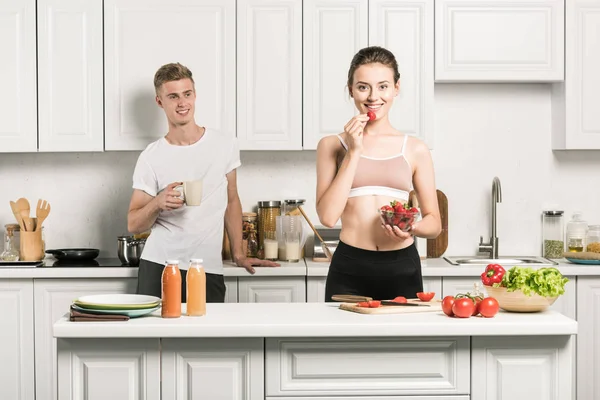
(481, 131)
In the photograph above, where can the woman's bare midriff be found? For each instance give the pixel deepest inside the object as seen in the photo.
(361, 225)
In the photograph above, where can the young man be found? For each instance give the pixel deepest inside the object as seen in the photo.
(188, 152)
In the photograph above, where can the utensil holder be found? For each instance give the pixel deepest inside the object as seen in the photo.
(31, 246)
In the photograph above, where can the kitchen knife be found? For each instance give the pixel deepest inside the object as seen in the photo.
(350, 298)
(393, 303)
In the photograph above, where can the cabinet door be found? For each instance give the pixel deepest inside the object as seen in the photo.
(70, 83)
(575, 116)
(231, 293)
(499, 40)
(142, 35)
(269, 74)
(16, 340)
(109, 369)
(315, 289)
(270, 289)
(566, 304)
(588, 337)
(522, 368)
(334, 30)
(405, 27)
(52, 301)
(213, 369)
(18, 103)
(433, 284)
(452, 286)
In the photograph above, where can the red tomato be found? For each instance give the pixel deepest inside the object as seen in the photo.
(477, 302)
(447, 304)
(463, 307)
(400, 299)
(425, 296)
(488, 307)
(363, 304)
(374, 303)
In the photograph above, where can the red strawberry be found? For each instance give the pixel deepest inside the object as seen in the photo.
(387, 208)
(402, 225)
(414, 210)
(372, 116)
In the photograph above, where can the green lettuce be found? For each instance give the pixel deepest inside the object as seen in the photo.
(547, 282)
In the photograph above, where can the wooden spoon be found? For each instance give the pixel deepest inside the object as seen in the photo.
(23, 206)
(17, 214)
(323, 244)
(41, 212)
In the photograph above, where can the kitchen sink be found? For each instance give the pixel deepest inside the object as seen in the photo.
(516, 260)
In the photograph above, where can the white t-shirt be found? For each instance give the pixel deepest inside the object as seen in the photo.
(190, 231)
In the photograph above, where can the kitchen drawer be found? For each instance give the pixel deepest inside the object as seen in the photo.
(367, 366)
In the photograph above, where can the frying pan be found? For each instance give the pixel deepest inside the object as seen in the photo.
(74, 254)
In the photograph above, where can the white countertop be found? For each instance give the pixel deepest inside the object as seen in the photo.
(433, 267)
(315, 320)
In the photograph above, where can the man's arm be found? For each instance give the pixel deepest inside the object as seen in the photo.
(144, 209)
(233, 225)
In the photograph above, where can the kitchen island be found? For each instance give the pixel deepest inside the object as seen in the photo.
(315, 351)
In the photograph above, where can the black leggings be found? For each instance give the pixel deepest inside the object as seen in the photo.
(150, 283)
(382, 275)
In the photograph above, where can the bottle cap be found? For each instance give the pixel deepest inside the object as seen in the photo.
(196, 261)
(169, 262)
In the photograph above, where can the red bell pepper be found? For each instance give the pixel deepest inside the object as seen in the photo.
(493, 274)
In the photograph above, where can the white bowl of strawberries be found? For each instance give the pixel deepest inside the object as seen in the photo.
(399, 214)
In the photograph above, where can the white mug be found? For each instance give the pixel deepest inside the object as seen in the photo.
(191, 192)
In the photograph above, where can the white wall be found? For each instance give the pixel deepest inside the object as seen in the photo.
(482, 131)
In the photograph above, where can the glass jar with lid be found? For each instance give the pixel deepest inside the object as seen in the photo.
(268, 211)
(593, 239)
(11, 249)
(290, 206)
(553, 234)
(577, 230)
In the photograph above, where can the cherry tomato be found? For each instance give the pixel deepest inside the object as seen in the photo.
(425, 296)
(447, 304)
(463, 307)
(400, 299)
(374, 303)
(371, 115)
(488, 307)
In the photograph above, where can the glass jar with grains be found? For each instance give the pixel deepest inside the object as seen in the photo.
(593, 239)
(552, 232)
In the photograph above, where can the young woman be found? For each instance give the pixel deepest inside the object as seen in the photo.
(367, 166)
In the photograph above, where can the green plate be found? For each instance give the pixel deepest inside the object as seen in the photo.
(117, 302)
(129, 313)
(582, 261)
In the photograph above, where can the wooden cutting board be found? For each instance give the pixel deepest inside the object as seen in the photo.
(435, 247)
(434, 306)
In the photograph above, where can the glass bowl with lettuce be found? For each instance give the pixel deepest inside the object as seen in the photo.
(524, 289)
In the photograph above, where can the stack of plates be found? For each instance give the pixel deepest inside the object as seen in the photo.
(132, 305)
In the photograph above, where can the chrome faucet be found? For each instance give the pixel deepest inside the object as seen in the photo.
(492, 246)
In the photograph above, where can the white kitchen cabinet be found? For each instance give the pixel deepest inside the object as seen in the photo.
(575, 116)
(588, 337)
(334, 30)
(18, 103)
(269, 74)
(451, 397)
(315, 289)
(52, 300)
(129, 370)
(433, 284)
(566, 304)
(405, 27)
(70, 75)
(212, 369)
(16, 340)
(140, 37)
(499, 40)
(522, 368)
(451, 286)
(231, 286)
(272, 289)
(348, 367)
